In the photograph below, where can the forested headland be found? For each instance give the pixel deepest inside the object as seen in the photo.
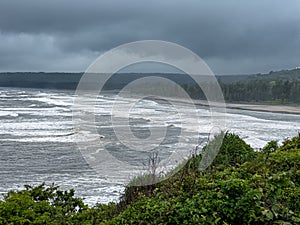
(281, 87)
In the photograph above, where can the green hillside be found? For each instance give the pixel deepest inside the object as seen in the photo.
(240, 187)
(280, 87)
(293, 74)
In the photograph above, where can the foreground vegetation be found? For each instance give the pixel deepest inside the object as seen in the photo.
(240, 187)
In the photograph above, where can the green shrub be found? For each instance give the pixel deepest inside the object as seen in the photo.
(240, 187)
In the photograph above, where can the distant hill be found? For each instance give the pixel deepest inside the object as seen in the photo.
(70, 80)
(280, 87)
(293, 74)
(40, 80)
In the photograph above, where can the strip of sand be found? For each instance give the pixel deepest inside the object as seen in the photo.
(242, 106)
(266, 108)
(258, 107)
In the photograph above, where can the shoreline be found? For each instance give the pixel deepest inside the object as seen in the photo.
(242, 106)
(265, 108)
(256, 107)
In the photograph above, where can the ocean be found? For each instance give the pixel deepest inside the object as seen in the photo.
(39, 143)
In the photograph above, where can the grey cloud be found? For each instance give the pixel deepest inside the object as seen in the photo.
(232, 36)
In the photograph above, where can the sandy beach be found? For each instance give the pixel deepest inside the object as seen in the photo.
(266, 108)
(257, 107)
(243, 106)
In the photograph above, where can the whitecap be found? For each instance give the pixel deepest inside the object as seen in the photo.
(10, 114)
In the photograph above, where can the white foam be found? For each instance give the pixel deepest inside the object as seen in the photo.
(10, 114)
(254, 142)
(54, 124)
(67, 139)
(51, 101)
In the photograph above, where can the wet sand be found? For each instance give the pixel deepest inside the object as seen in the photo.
(266, 108)
(244, 106)
(257, 107)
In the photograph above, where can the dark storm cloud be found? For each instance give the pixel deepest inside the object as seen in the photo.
(231, 36)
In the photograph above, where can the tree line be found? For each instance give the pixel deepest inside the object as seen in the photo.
(259, 90)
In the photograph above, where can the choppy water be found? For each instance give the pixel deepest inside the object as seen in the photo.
(37, 138)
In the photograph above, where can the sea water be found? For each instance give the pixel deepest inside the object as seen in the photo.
(38, 139)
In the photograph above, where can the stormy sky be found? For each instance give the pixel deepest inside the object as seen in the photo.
(232, 36)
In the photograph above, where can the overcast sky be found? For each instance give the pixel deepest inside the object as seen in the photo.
(232, 36)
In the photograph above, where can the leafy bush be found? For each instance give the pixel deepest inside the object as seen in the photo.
(240, 187)
(49, 205)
